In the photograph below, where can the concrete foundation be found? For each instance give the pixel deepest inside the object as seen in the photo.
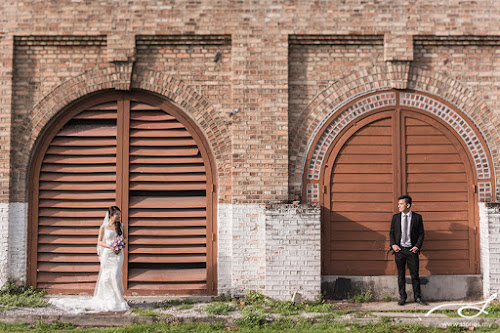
(434, 287)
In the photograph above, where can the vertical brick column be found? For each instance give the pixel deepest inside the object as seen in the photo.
(398, 55)
(260, 129)
(6, 64)
(259, 144)
(121, 51)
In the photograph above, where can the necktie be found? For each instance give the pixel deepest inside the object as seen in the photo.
(405, 229)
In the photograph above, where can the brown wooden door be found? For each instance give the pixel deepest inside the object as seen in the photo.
(383, 156)
(77, 182)
(140, 153)
(167, 204)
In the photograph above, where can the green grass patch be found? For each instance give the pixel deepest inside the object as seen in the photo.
(285, 308)
(362, 297)
(282, 325)
(252, 316)
(218, 308)
(493, 311)
(319, 307)
(176, 302)
(254, 297)
(12, 296)
(54, 327)
(145, 312)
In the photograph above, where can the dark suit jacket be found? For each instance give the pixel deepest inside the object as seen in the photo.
(416, 230)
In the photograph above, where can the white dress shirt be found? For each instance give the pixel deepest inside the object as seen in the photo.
(408, 243)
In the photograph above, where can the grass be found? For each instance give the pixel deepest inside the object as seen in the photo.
(12, 296)
(254, 297)
(185, 306)
(387, 298)
(218, 308)
(288, 308)
(362, 297)
(176, 302)
(285, 308)
(145, 312)
(251, 316)
(493, 312)
(257, 326)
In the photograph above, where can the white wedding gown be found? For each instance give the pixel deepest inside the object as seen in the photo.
(108, 293)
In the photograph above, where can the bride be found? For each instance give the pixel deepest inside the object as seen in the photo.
(108, 293)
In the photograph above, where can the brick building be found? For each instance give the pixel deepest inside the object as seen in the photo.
(205, 120)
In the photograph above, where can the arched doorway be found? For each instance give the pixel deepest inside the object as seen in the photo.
(383, 152)
(142, 153)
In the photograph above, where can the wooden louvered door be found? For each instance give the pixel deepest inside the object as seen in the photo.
(439, 179)
(362, 187)
(167, 205)
(383, 156)
(138, 152)
(77, 182)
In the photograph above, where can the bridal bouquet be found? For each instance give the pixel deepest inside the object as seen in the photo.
(117, 245)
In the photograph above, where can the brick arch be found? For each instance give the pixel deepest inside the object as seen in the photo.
(115, 77)
(193, 103)
(342, 93)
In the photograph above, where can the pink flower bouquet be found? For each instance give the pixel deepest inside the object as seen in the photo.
(117, 245)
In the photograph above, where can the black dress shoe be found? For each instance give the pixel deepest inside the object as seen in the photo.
(401, 301)
(420, 301)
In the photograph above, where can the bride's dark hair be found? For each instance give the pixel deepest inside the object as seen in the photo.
(112, 211)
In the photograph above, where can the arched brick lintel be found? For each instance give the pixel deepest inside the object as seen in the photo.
(348, 89)
(116, 76)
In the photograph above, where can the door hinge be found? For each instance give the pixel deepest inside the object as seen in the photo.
(214, 189)
(475, 229)
(325, 189)
(213, 236)
(474, 188)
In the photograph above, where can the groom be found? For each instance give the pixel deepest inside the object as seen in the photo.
(407, 236)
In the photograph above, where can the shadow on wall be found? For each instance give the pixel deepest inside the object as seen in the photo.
(357, 260)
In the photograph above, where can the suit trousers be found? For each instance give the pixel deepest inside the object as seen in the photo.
(403, 257)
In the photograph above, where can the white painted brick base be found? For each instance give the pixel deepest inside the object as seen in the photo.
(490, 244)
(293, 251)
(274, 250)
(249, 248)
(4, 243)
(225, 248)
(484, 253)
(13, 242)
(18, 242)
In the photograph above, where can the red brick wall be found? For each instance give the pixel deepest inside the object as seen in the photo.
(475, 64)
(43, 63)
(278, 85)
